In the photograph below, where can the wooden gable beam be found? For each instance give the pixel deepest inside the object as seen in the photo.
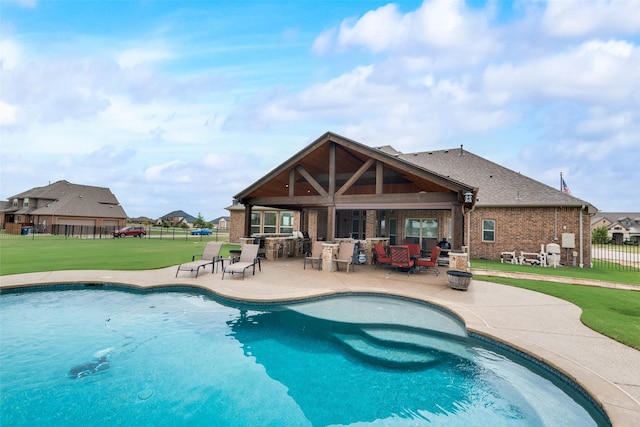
(379, 177)
(311, 180)
(292, 182)
(355, 177)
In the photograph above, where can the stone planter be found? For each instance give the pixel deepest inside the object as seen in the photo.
(459, 279)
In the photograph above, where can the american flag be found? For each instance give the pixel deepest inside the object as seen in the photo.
(565, 189)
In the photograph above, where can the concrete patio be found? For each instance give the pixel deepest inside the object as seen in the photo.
(544, 326)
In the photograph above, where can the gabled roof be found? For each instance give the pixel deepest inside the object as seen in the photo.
(179, 214)
(355, 175)
(616, 217)
(70, 199)
(497, 185)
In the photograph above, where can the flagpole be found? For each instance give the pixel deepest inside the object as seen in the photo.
(560, 181)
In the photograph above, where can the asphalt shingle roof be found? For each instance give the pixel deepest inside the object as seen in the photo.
(497, 185)
(74, 200)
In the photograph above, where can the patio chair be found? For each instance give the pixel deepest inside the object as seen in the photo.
(261, 242)
(431, 262)
(315, 255)
(345, 255)
(381, 255)
(248, 258)
(400, 258)
(210, 255)
(414, 250)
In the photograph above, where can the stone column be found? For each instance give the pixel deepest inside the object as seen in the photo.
(329, 251)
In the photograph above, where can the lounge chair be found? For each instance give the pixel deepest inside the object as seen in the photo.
(248, 258)
(210, 255)
(381, 255)
(400, 258)
(431, 262)
(315, 255)
(345, 255)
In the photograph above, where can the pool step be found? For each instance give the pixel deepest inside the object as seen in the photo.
(451, 345)
(393, 356)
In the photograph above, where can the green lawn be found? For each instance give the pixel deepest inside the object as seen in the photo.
(53, 253)
(615, 313)
(598, 272)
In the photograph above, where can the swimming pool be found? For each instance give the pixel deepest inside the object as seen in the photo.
(104, 356)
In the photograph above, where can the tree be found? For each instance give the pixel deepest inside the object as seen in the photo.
(200, 222)
(600, 235)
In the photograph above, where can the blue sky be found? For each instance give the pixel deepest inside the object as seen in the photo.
(182, 104)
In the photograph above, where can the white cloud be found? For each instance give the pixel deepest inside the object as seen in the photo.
(377, 30)
(168, 172)
(438, 25)
(603, 17)
(30, 4)
(593, 71)
(130, 58)
(322, 44)
(8, 114)
(10, 54)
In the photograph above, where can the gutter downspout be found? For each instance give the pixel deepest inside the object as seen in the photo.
(581, 238)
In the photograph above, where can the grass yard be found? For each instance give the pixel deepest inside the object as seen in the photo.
(598, 272)
(54, 253)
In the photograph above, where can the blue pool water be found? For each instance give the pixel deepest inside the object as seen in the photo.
(108, 357)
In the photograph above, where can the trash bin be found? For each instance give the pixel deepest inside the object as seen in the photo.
(25, 231)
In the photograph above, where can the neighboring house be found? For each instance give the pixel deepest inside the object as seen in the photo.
(62, 203)
(176, 219)
(342, 188)
(621, 226)
(221, 222)
(140, 220)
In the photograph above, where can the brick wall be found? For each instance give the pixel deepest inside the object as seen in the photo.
(525, 229)
(236, 226)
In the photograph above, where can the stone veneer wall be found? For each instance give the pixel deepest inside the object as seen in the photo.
(236, 226)
(525, 229)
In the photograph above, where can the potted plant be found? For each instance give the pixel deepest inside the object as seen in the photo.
(459, 279)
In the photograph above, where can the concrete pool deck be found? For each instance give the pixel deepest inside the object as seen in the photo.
(541, 325)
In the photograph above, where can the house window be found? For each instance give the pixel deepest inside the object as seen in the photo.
(15, 203)
(270, 222)
(25, 202)
(255, 223)
(421, 229)
(488, 230)
(286, 222)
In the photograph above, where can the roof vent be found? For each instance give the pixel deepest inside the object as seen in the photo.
(461, 150)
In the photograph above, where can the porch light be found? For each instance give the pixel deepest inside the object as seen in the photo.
(468, 197)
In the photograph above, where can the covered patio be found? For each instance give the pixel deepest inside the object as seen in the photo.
(343, 189)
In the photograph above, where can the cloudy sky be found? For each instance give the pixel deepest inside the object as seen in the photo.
(182, 104)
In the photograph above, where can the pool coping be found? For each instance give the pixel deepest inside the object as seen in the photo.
(547, 328)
